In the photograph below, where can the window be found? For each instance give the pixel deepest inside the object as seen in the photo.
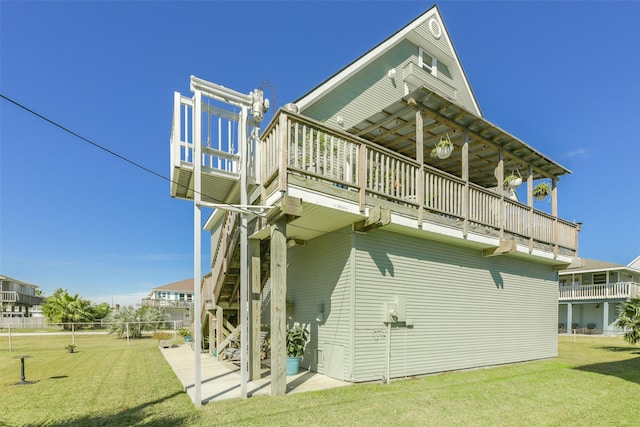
(599, 278)
(432, 65)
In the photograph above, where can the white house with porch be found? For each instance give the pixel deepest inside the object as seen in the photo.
(591, 294)
(176, 299)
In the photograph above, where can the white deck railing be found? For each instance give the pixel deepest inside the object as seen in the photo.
(218, 135)
(167, 303)
(294, 143)
(619, 290)
(20, 298)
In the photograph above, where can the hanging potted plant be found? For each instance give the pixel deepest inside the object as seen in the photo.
(297, 338)
(512, 181)
(541, 191)
(444, 148)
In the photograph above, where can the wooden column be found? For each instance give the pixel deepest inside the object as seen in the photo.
(499, 174)
(362, 178)
(420, 190)
(254, 311)
(554, 212)
(465, 177)
(212, 333)
(283, 142)
(530, 204)
(219, 330)
(278, 307)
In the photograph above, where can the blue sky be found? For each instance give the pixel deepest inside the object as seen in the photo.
(561, 76)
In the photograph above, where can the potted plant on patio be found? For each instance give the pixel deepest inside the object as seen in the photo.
(297, 338)
(444, 148)
(186, 334)
(541, 191)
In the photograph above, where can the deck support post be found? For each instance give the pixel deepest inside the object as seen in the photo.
(420, 159)
(197, 245)
(245, 334)
(499, 174)
(278, 307)
(605, 318)
(554, 212)
(530, 205)
(219, 329)
(570, 317)
(465, 177)
(254, 311)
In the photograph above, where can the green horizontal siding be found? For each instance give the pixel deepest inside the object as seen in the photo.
(467, 311)
(319, 273)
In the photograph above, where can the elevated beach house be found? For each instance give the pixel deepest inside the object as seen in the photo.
(378, 215)
(176, 299)
(19, 303)
(592, 293)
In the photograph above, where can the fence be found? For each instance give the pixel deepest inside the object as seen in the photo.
(77, 330)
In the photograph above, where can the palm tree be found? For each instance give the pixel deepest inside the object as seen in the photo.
(629, 320)
(64, 308)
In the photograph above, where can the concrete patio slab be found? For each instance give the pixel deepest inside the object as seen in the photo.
(220, 380)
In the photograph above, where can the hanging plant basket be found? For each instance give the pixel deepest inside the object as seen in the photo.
(444, 148)
(541, 191)
(512, 181)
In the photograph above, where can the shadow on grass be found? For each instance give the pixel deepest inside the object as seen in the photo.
(632, 350)
(628, 370)
(128, 417)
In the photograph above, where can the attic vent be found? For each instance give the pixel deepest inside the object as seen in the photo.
(435, 28)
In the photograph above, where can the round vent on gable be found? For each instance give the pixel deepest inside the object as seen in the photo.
(435, 28)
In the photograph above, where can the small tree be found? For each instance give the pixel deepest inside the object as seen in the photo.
(101, 311)
(64, 308)
(138, 320)
(629, 319)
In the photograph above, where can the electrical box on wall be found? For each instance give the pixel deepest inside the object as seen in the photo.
(395, 311)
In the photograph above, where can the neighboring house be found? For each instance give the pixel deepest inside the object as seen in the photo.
(175, 298)
(20, 306)
(17, 298)
(398, 263)
(592, 293)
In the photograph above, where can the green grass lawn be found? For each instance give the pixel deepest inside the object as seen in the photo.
(594, 381)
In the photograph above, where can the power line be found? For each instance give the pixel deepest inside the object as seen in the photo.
(111, 152)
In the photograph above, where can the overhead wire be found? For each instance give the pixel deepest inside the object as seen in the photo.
(113, 153)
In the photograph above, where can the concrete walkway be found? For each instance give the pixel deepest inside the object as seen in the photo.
(221, 380)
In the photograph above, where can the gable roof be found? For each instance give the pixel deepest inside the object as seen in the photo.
(635, 264)
(4, 278)
(182, 285)
(408, 32)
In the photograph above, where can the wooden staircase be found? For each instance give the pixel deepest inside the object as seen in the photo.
(221, 287)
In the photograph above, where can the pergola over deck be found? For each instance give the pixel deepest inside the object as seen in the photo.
(490, 147)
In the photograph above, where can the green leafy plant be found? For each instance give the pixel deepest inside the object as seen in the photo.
(184, 332)
(70, 348)
(629, 320)
(444, 144)
(297, 338)
(541, 190)
(512, 180)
